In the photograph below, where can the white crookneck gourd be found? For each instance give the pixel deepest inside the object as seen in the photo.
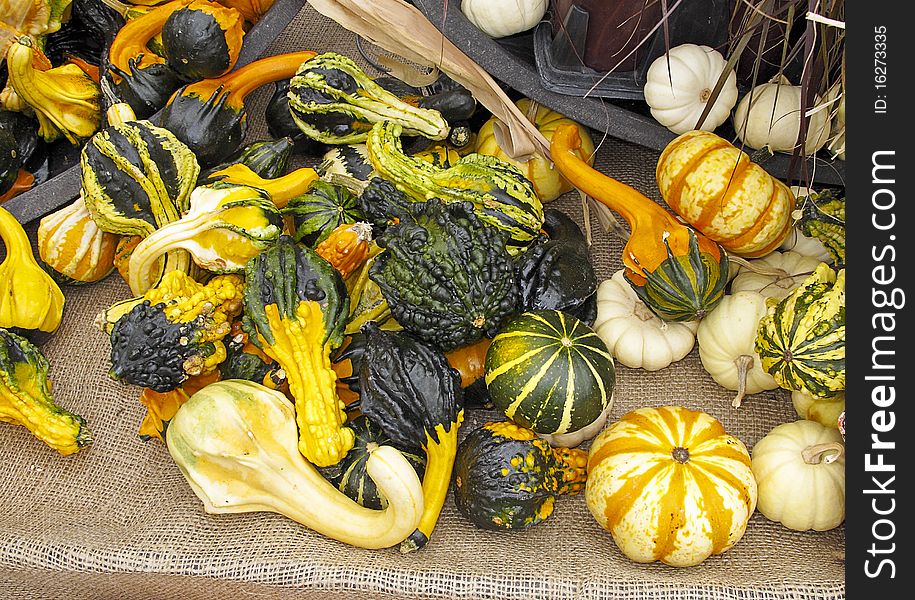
(236, 443)
(635, 336)
(774, 275)
(727, 340)
(680, 83)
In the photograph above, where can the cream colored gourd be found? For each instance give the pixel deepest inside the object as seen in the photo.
(836, 145)
(775, 275)
(800, 243)
(635, 336)
(236, 444)
(727, 339)
(501, 18)
(71, 243)
(769, 116)
(670, 484)
(679, 85)
(824, 411)
(800, 470)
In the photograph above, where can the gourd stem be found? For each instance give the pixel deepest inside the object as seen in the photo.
(743, 362)
(823, 453)
(755, 267)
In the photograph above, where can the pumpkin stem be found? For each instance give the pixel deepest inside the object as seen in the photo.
(823, 453)
(680, 454)
(760, 269)
(744, 363)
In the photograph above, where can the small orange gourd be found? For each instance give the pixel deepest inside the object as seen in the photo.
(71, 243)
(347, 247)
(717, 189)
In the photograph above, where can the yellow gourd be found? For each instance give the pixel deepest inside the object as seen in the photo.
(71, 243)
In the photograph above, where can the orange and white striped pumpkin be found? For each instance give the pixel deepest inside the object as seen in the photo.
(670, 484)
(717, 189)
(71, 243)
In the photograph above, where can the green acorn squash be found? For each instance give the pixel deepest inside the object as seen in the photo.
(549, 372)
(506, 478)
(801, 340)
(349, 475)
(322, 209)
(447, 278)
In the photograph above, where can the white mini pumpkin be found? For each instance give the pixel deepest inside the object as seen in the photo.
(824, 411)
(727, 345)
(679, 84)
(635, 336)
(769, 116)
(799, 469)
(774, 275)
(501, 18)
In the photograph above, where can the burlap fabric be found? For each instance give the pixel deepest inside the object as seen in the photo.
(118, 520)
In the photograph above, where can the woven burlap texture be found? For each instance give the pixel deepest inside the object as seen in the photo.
(118, 520)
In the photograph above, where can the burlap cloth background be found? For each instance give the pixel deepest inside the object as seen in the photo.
(118, 520)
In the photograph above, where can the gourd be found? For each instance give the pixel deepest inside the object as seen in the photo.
(210, 117)
(501, 195)
(801, 339)
(202, 39)
(367, 303)
(727, 345)
(679, 85)
(244, 360)
(347, 247)
(824, 411)
(333, 101)
(348, 160)
(172, 332)
(555, 272)
(634, 335)
(446, 278)
(280, 124)
(796, 240)
(30, 300)
(141, 78)
(296, 307)
(26, 399)
(320, 210)
(235, 444)
(769, 116)
(501, 18)
(820, 227)
(349, 475)
(280, 190)
(18, 141)
(548, 182)
(800, 470)
(225, 226)
(670, 484)
(407, 387)
(506, 478)
(470, 361)
(73, 246)
(774, 275)
(65, 100)
(677, 272)
(251, 10)
(268, 159)
(721, 192)
(549, 372)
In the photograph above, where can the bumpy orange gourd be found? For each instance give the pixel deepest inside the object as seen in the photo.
(717, 189)
(347, 247)
(670, 484)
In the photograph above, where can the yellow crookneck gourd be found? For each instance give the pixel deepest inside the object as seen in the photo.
(29, 298)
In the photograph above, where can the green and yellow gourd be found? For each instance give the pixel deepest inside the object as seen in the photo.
(296, 307)
(137, 177)
(505, 477)
(823, 218)
(266, 158)
(332, 100)
(549, 372)
(801, 340)
(320, 210)
(500, 193)
(25, 397)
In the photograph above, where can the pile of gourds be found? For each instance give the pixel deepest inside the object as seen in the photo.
(308, 341)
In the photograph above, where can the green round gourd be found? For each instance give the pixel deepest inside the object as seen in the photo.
(507, 478)
(349, 475)
(325, 207)
(550, 372)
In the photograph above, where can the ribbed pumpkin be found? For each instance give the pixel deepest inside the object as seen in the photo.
(347, 247)
(549, 372)
(322, 209)
(801, 340)
(71, 244)
(718, 190)
(548, 181)
(670, 484)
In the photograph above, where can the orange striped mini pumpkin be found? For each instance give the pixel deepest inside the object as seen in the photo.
(717, 189)
(71, 243)
(670, 484)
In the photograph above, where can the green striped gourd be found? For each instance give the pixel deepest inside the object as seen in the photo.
(500, 193)
(550, 372)
(801, 340)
